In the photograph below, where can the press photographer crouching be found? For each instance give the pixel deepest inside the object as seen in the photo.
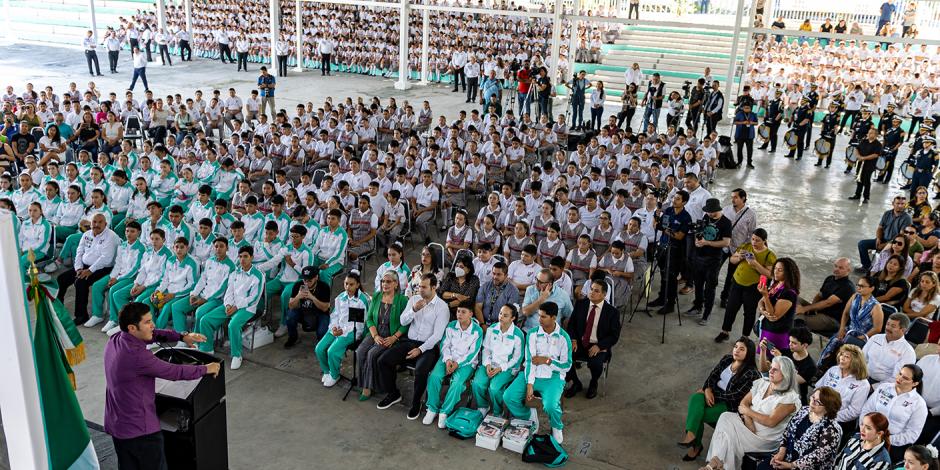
(673, 223)
(712, 235)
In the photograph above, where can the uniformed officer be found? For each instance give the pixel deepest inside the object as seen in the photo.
(91, 56)
(860, 128)
(813, 97)
(828, 132)
(893, 138)
(802, 120)
(925, 163)
(773, 118)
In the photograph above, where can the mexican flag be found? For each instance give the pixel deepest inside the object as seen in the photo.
(57, 346)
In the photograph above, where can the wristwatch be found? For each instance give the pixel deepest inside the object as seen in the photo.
(183, 335)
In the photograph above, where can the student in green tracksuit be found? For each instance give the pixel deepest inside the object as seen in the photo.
(126, 265)
(547, 360)
(330, 249)
(208, 292)
(502, 355)
(148, 275)
(342, 332)
(237, 241)
(242, 294)
(460, 347)
(34, 234)
(179, 278)
(292, 258)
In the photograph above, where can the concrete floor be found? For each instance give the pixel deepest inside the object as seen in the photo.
(281, 417)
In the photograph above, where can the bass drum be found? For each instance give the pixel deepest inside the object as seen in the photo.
(850, 154)
(763, 131)
(823, 147)
(881, 163)
(791, 139)
(907, 169)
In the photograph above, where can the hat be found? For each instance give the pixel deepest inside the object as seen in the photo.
(712, 205)
(928, 119)
(778, 91)
(309, 272)
(896, 118)
(891, 105)
(930, 139)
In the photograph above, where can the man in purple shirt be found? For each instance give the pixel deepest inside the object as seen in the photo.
(130, 414)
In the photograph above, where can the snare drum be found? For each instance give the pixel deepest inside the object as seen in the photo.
(763, 131)
(791, 138)
(850, 154)
(881, 163)
(823, 147)
(907, 169)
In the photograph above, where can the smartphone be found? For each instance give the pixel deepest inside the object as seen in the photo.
(762, 283)
(770, 346)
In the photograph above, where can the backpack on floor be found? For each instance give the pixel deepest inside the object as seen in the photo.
(463, 423)
(544, 449)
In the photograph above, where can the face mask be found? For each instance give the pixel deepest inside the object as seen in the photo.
(459, 272)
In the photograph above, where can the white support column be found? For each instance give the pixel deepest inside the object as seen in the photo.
(275, 29)
(299, 36)
(748, 44)
(404, 14)
(556, 39)
(94, 20)
(10, 34)
(425, 39)
(573, 34)
(735, 43)
(188, 8)
(161, 14)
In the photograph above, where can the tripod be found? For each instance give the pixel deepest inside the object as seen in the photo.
(356, 315)
(664, 278)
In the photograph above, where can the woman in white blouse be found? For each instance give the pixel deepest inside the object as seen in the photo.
(112, 133)
(901, 402)
(849, 377)
(761, 418)
(597, 105)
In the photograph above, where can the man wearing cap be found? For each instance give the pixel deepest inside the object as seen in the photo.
(707, 250)
(868, 151)
(886, 117)
(308, 304)
(925, 163)
(828, 133)
(893, 138)
(772, 119)
(802, 120)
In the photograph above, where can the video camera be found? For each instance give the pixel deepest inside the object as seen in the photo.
(659, 193)
(686, 89)
(697, 228)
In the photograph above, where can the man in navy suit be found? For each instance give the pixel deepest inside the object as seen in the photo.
(594, 329)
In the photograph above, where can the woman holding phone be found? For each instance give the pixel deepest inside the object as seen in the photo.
(753, 260)
(778, 302)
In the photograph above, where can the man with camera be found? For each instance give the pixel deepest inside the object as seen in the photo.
(712, 235)
(578, 85)
(674, 223)
(696, 97)
(653, 101)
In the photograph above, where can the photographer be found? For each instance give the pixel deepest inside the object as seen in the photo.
(714, 107)
(545, 92)
(712, 235)
(524, 79)
(674, 223)
(696, 100)
(653, 101)
(578, 85)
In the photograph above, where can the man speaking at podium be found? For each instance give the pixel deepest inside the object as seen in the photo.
(130, 414)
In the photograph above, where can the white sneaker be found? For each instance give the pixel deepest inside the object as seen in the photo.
(93, 321)
(281, 331)
(323, 378)
(236, 363)
(483, 411)
(534, 417)
(113, 331)
(108, 326)
(52, 267)
(429, 418)
(557, 434)
(329, 381)
(441, 421)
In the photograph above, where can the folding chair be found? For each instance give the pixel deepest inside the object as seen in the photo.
(438, 254)
(406, 226)
(459, 254)
(579, 363)
(133, 130)
(256, 321)
(318, 177)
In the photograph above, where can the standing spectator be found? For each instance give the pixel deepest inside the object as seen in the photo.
(186, 52)
(266, 85)
(778, 24)
(868, 151)
(472, 71)
(222, 39)
(754, 259)
(744, 122)
(892, 223)
(909, 20)
(826, 27)
(113, 44)
(578, 85)
(325, 47)
(653, 101)
(597, 106)
(91, 56)
(241, 51)
(715, 108)
(140, 69)
(163, 41)
(806, 27)
(282, 50)
(634, 8)
(457, 61)
(777, 304)
(887, 11)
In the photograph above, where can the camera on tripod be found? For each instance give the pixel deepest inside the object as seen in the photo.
(686, 89)
(659, 192)
(698, 229)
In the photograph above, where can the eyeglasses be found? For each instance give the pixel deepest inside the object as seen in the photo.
(898, 242)
(910, 232)
(862, 286)
(816, 401)
(387, 281)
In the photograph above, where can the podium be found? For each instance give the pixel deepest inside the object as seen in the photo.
(192, 415)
